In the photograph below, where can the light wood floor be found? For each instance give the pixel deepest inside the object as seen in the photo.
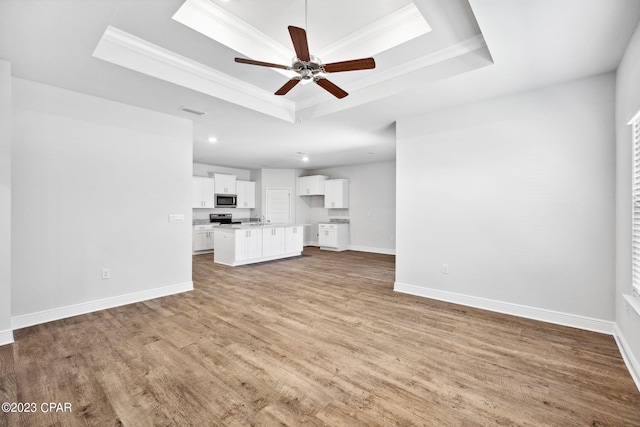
(317, 340)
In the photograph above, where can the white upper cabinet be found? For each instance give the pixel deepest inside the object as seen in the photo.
(311, 185)
(202, 193)
(225, 184)
(336, 193)
(246, 192)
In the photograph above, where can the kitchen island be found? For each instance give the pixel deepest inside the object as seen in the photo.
(241, 244)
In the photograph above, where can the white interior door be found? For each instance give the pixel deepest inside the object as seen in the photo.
(278, 206)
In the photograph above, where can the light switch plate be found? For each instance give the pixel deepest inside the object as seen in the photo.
(176, 218)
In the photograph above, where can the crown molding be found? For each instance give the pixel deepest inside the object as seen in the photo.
(471, 44)
(216, 23)
(124, 49)
(390, 31)
(459, 49)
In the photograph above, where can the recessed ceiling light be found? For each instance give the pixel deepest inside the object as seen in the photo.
(305, 158)
(212, 139)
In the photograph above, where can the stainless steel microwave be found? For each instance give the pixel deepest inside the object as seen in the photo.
(226, 201)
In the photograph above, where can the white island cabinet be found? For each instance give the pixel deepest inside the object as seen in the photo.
(251, 243)
(273, 241)
(248, 244)
(294, 238)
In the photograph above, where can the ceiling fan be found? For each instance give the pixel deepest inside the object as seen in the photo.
(309, 67)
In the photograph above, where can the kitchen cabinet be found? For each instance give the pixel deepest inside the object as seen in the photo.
(273, 241)
(294, 239)
(311, 185)
(246, 192)
(225, 184)
(203, 238)
(202, 192)
(248, 244)
(336, 193)
(334, 236)
(241, 244)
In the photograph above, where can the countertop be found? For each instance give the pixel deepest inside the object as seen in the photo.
(252, 226)
(208, 222)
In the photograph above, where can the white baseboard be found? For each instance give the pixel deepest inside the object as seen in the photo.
(6, 337)
(361, 249)
(556, 317)
(382, 251)
(627, 355)
(37, 318)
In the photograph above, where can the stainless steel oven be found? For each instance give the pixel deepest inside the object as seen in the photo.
(220, 218)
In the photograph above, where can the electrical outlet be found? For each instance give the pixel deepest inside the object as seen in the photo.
(106, 273)
(445, 268)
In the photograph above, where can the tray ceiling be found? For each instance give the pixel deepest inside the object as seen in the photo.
(379, 29)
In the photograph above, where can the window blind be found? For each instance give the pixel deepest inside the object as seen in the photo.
(635, 123)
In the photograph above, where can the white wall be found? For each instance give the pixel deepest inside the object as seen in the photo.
(6, 335)
(516, 195)
(627, 105)
(372, 205)
(94, 182)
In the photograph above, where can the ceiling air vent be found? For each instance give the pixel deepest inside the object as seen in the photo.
(192, 111)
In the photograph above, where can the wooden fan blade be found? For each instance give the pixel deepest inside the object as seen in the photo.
(262, 64)
(299, 40)
(287, 87)
(353, 65)
(331, 88)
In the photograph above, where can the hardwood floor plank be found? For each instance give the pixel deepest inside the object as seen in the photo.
(8, 384)
(318, 340)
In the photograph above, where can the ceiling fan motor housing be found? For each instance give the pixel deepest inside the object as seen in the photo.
(307, 69)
